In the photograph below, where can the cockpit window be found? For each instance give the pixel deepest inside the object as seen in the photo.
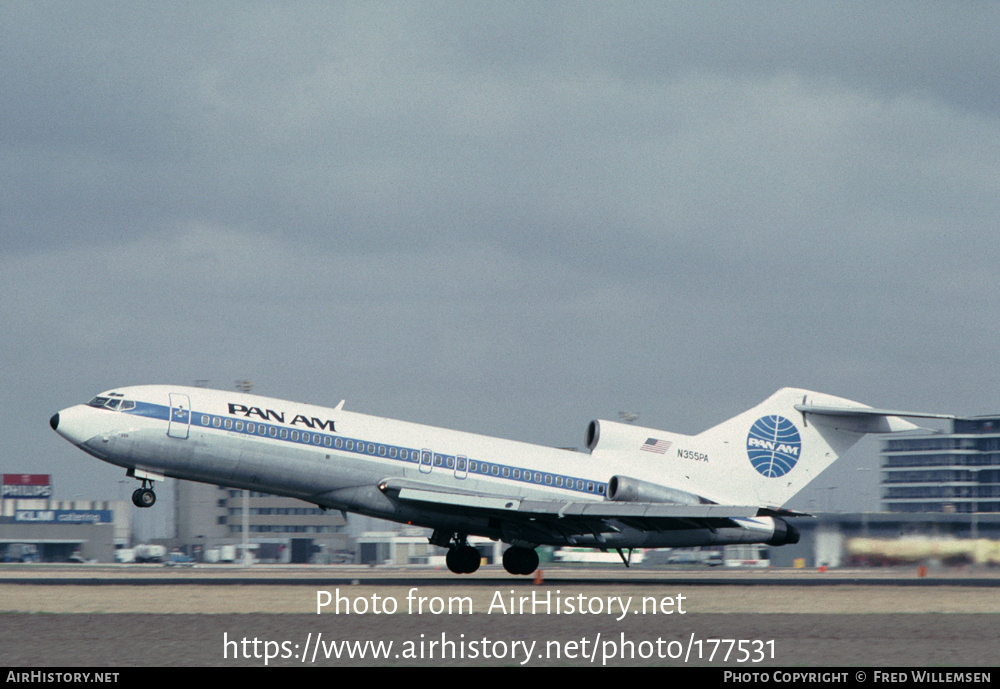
(113, 403)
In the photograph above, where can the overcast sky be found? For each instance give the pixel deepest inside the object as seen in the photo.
(507, 218)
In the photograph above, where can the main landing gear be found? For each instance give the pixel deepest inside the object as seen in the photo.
(462, 558)
(518, 560)
(144, 497)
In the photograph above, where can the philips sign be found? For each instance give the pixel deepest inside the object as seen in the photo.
(26, 486)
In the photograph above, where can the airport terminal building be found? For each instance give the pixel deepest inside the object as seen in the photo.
(209, 517)
(957, 472)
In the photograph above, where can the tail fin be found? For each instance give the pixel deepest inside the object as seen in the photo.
(769, 453)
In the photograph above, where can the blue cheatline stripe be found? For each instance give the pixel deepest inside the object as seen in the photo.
(369, 448)
(152, 411)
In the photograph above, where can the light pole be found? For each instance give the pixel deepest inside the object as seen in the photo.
(245, 386)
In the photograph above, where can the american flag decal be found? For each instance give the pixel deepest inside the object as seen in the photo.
(660, 447)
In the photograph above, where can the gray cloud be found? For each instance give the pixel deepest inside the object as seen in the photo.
(509, 219)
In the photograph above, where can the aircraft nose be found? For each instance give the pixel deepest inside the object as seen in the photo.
(73, 424)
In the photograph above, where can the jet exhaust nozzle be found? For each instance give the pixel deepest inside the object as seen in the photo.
(784, 533)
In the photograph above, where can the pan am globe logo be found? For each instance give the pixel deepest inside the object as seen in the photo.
(773, 445)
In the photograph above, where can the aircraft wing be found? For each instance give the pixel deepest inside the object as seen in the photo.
(417, 491)
(573, 516)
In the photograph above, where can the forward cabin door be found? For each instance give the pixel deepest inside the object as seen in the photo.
(179, 423)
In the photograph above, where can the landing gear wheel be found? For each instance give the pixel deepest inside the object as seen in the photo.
(451, 559)
(520, 560)
(470, 558)
(463, 559)
(143, 497)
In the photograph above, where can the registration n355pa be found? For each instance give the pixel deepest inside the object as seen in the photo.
(633, 488)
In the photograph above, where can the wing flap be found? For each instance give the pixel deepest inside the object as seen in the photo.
(621, 510)
(438, 497)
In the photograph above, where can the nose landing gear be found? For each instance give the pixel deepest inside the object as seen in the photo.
(144, 497)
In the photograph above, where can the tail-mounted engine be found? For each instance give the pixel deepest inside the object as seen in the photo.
(784, 533)
(612, 436)
(625, 489)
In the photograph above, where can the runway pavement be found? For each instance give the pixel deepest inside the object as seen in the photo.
(114, 616)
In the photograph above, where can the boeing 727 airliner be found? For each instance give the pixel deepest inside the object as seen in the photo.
(634, 488)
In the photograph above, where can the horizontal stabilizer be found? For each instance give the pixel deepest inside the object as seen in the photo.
(866, 419)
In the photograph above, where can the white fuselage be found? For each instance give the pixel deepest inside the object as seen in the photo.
(338, 459)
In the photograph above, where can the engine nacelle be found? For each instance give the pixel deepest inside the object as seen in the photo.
(784, 533)
(593, 434)
(626, 489)
(611, 436)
